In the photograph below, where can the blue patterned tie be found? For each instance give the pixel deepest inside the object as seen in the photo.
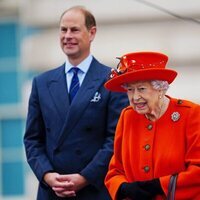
(74, 83)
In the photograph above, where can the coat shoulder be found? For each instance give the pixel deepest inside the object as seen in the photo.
(101, 67)
(127, 109)
(53, 72)
(185, 103)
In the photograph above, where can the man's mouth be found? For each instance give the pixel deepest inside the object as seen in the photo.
(69, 44)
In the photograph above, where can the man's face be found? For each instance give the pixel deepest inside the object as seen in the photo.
(75, 38)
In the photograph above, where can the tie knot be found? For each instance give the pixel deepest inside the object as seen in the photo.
(74, 70)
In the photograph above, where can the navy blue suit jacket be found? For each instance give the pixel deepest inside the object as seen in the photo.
(76, 138)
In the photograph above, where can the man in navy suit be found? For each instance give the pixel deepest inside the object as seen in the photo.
(69, 142)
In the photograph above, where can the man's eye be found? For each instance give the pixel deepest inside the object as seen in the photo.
(63, 29)
(75, 30)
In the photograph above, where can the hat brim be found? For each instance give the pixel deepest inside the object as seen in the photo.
(116, 83)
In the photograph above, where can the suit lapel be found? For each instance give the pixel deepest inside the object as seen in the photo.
(58, 91)
(90, 85)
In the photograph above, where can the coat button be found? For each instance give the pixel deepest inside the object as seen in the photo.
(149, 127)
(179, 101)
(147, 147)
(146, 168)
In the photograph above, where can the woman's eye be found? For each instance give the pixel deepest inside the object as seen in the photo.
(129, 89)
(141, 89)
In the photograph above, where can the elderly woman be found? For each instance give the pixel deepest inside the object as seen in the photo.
(157, 136)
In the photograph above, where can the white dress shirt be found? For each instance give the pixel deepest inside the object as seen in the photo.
(83, 66)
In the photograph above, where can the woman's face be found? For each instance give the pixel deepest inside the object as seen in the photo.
(143, 97)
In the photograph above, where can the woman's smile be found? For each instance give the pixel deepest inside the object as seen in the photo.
(140, 106)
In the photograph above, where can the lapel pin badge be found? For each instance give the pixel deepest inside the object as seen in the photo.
(175, 116)
(96, 98)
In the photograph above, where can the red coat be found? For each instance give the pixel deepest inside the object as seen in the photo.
(145, 150)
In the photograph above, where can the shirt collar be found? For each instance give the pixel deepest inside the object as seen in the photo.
(83, 66)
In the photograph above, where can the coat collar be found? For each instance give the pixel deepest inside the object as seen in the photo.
(57, 86)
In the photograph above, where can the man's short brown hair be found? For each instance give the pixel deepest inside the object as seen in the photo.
(89, 17)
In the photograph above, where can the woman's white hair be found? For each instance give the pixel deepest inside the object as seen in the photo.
(160, 85)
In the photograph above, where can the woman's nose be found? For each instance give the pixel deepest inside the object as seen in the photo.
(136, 95)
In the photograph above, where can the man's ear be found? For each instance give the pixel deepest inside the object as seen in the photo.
(92, 33)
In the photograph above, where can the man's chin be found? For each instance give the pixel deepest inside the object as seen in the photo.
(71, 53)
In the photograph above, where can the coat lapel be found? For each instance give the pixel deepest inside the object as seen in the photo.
(58, 91)
(90, 85)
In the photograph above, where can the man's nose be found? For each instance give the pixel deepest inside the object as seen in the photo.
(68, 34)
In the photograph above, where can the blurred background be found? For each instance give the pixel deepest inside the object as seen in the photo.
(29, 45)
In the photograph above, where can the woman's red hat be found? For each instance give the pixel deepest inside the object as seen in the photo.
(140, 66)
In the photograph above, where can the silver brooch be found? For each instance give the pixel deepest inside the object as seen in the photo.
(175, 116)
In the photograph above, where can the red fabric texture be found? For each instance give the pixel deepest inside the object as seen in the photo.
(174, 148)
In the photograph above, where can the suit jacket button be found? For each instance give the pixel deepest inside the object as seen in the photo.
(78, 152)
(57, 150)
(48, 129)
(88, 129)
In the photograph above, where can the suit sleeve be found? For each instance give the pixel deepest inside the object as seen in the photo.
(34, 138)
(188, 182)
(116, 175)
(96, 170)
